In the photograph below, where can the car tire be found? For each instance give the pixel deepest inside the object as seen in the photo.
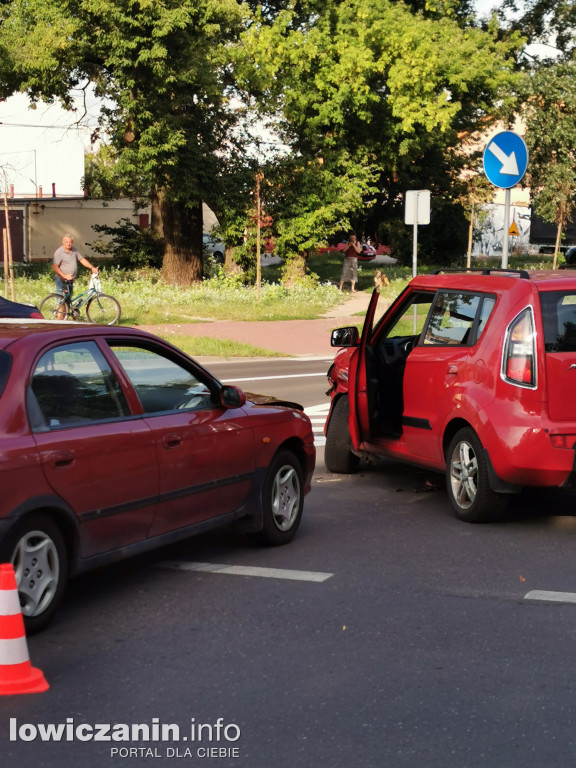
(472, 499)
(338, 455)
(218, 257)
(36, 549)
(282, 500)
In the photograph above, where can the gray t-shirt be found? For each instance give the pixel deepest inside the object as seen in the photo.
(68, 262)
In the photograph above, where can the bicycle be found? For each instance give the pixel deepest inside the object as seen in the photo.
(101, 309)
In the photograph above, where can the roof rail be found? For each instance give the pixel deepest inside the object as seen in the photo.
(524, 274)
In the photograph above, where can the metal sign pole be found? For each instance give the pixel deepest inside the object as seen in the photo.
(414, 270)
(414, 247)
(505, 161)
(507, 197)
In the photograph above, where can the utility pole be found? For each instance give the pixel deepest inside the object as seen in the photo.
(9, 246)
(470, 235)
(259, 177)
(8, 262)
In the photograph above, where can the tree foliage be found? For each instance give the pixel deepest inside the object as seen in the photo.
(368, 96)
(550, 117)
(160, 67)
(550, 22)
(367, 92)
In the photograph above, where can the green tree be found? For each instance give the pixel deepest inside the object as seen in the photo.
(366, 92)
(550, 117)
(162, 70)
(550, 22)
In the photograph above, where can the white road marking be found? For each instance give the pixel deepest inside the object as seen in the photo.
(317, 415)
(246, 570)
(323, 408)
(245, 361)
(551, 597)
(270, 378)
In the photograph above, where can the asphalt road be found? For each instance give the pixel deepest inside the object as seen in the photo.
(297, 379)
(390, 636)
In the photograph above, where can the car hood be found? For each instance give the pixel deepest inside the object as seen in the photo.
(255, 399)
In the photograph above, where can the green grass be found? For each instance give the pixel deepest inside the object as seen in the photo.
(204, 346)
(146, 300)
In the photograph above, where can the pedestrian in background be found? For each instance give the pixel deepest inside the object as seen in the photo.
(65, 265)
(350, 264)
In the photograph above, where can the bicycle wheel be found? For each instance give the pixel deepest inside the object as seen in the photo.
(103, 310)
(54, 307)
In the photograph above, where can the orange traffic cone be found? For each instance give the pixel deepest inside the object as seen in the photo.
(17, 675)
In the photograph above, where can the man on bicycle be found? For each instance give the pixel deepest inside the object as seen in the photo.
(65, 264)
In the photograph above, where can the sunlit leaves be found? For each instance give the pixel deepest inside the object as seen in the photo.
(550, 117)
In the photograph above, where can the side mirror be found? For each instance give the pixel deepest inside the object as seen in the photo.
(232, 397)
(345, 337)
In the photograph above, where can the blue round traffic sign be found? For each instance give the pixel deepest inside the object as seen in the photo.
(505, 159)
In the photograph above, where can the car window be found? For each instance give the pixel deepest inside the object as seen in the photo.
(452, 318)
(161, 383)
(488, 304)
(559, 318)
(71, 385)
(412, 316)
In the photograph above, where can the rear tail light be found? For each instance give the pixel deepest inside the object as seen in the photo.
(519, 362)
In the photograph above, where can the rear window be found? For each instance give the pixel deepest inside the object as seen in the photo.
(559, 320)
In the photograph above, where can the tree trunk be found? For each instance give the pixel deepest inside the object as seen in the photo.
(156, 217)
(560, 227)
(230, 265)
(182, 227)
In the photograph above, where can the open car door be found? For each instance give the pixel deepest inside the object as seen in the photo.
(359, 380)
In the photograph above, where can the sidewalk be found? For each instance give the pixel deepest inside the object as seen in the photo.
(298, 338)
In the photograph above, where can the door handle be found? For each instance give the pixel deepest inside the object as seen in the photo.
(60, 458)
(171, 440)
(452, 370)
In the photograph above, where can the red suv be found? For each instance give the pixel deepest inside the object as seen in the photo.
(472, 374)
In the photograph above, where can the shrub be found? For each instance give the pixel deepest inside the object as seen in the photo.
(130, 245)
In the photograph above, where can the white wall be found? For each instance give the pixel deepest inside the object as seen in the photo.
(489, 235)
(40, 147)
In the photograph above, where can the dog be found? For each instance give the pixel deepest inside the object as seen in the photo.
(380, 279)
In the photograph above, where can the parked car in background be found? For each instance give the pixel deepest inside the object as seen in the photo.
(214, 247)
(114, 442)
(15, 309)
(570, 256)
(469, 374)
(369, 252)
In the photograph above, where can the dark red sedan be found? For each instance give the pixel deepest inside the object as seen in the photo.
(114, 442)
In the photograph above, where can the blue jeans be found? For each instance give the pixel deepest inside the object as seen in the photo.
(63, 285)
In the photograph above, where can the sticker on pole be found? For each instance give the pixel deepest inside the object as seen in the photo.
(505, 159)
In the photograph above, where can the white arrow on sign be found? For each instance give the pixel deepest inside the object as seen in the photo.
(509, 163)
